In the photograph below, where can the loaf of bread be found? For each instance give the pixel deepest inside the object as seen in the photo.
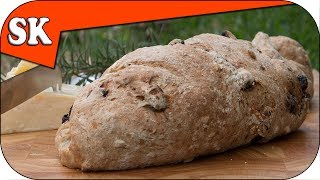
(171, 103)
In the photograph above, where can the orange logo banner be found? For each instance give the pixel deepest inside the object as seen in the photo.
(32, 30)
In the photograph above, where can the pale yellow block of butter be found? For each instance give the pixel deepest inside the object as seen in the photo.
(44, 111)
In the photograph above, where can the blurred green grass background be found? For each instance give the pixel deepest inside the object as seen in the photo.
(89, 52)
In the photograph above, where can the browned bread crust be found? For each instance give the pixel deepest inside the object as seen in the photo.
(167, 104)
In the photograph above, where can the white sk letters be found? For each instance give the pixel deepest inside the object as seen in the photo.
(18, 34)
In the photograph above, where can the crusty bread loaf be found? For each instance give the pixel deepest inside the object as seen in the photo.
(167, 104)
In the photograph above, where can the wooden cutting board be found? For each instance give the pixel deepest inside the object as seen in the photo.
(34, 155)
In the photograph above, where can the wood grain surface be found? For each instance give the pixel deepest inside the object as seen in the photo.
(34, 155)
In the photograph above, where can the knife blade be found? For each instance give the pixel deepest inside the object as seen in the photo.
(22, 87)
